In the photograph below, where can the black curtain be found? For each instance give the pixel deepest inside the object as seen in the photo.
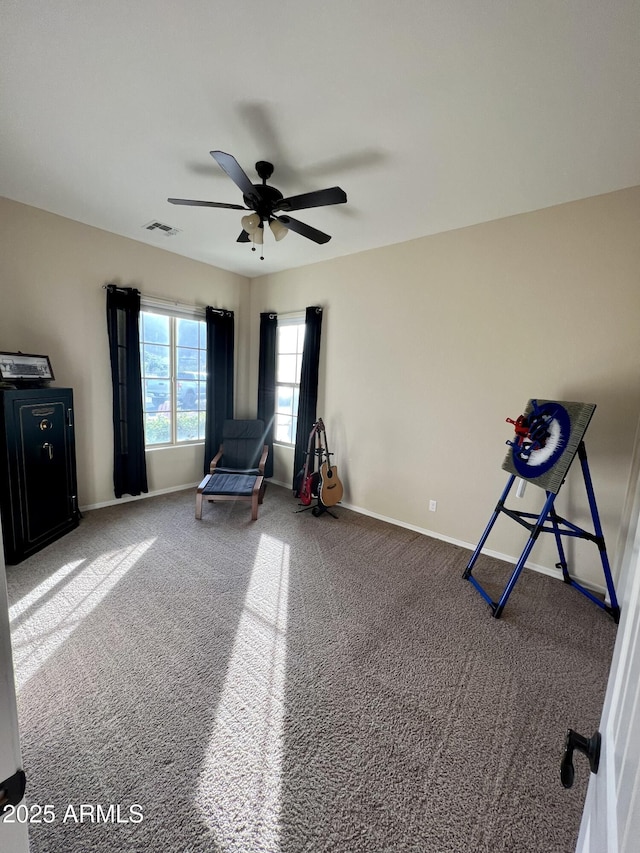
(267, 382)
(220, 347)
(129, 463)
(308, 401)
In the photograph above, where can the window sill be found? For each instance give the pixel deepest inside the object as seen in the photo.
(154, 447)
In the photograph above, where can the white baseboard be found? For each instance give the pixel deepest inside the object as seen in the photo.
(507, 558)
(128, 498)
(278, 483)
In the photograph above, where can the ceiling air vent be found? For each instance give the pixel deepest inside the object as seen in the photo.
(167, 230)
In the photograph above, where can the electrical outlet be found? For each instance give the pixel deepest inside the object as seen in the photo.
(433, 506)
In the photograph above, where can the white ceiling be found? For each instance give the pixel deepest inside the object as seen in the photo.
(430, 114)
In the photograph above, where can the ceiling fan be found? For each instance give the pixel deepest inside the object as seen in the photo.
(265, 201)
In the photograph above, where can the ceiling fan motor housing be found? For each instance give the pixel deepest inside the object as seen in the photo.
(265, 200)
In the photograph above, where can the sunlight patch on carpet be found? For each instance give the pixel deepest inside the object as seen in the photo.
(42, 589)
(239, 789)
(56, 617)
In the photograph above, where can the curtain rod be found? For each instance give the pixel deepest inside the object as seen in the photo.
(296, 315)
(120, 289)
(160, 301)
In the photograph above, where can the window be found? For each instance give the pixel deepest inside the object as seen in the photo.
(289, 346)
(173, 356)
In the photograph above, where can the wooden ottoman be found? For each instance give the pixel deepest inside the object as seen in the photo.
(230, 487)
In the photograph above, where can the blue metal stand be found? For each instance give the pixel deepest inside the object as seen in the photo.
(548, 521)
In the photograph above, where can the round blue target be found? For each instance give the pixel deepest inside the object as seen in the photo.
(549, 427)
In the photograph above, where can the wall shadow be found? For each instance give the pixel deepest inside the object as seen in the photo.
(609, 442)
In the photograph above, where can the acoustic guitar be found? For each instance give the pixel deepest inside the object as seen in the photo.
(330, 491)
(309, 477)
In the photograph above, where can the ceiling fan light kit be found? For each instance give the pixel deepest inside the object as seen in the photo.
(265, 201)
(278, 230)
(250, 223)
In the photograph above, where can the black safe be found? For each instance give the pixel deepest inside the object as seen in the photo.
(38, 494)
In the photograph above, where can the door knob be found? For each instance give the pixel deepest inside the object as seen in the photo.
(12, 791)
(589, 746)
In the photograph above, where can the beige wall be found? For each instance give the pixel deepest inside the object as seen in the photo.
(51, 301)
(429, 345)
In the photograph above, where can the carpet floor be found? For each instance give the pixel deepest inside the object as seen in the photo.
(294, 685)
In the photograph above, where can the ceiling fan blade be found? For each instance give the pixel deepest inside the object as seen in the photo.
(194, 203)
(303, 229)
(231, 166)
(317, 198)
(244, 237)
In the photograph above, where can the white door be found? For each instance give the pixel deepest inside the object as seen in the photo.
(13, 836)
(611, 818)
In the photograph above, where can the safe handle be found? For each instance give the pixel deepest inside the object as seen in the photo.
(48, 447)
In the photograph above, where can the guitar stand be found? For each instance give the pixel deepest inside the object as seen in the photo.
(320, 509)
(317, 510)
(548, 521)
